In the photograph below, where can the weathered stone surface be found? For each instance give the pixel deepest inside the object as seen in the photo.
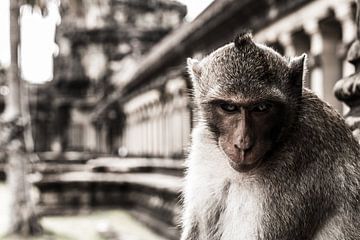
(348, 88)
(153, 195)
(149, 187)
(131, 165)
(353, 55)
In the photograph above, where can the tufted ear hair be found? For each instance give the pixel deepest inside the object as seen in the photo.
(297, 72)
(243, 38)
(194, 69)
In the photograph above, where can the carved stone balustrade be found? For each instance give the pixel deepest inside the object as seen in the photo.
(348, 88)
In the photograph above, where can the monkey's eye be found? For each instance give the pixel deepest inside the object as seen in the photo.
(262, 107)
(228, 107)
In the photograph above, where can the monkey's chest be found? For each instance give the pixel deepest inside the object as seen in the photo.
(240, 219)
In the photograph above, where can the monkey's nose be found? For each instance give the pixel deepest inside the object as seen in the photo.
(244, 145)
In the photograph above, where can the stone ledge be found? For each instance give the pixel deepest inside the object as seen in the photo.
(120, 165)
(150, 187)
(154, 195)
(153, 180)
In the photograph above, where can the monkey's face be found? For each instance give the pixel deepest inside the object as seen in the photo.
(248, 95)
(245, 131)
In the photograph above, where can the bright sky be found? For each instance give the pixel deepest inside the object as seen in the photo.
(37, 39)
(37, 34)
(195, 7)
(4, 32)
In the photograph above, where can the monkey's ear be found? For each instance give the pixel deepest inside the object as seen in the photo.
(243, 38)
(297, 72)
(194, 68)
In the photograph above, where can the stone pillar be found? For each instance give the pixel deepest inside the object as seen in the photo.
(186, 124)
(344, 15)
(151, 129)
(146, 127)
(286, 40)
(316, 47)
(348, 88)
(161, 130)
(331, 59)
(166, 133)
(143, 132)
(155, 117)
(178, 125)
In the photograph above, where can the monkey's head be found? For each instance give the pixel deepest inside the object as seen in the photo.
(248, 96)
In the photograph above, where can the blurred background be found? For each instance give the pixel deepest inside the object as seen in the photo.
(95, 109)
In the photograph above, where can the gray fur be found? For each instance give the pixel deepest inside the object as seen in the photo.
(308, 187)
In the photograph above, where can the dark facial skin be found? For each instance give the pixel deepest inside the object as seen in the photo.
(246, 131)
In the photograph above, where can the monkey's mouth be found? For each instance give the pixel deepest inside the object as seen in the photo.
(242, 161)
(244, 167)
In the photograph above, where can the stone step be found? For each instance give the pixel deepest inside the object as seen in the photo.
(155, 195)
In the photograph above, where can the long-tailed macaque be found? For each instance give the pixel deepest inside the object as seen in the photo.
(269, 160)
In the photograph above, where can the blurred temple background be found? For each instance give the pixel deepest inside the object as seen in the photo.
(110, 118)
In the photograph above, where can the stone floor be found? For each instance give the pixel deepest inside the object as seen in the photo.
(98, 225)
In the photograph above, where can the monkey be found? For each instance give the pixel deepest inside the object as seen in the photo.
(269, 160)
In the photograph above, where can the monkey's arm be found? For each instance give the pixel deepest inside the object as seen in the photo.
(295, 210)
(338, 227)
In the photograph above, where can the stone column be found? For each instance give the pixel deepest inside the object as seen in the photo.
(135, 143)
(186, 119)
(286, 40)
(155, 129)
(161, 129)
(143, 132)
(331, 62)
(316, 47)
(348, 88)
(166, 130)
(344, 15)
(151, 129)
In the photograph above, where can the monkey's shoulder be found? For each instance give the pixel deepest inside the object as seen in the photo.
(321, 126)
(325, 142)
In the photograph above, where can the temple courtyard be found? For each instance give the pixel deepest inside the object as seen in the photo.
(114, 224)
